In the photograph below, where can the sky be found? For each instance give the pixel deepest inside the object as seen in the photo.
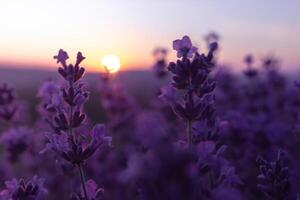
(32, 31)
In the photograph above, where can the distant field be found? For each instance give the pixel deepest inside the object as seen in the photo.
(142, 85)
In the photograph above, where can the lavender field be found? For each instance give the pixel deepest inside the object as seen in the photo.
(149, 100)
(199, 131)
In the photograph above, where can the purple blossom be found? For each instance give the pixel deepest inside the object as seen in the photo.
(168, 94)
(192, 77)
(249, 59)
(205, 149)
(99, 136)
(16, 141)
(79, 58)
(93, 192)
(75, 152)
(211, 37)
(51, 97)
(58, 143)
(62, 57)
(274, 176)
(67, 119)
(184, 47)
(8, 106)
(20, 189)
(160, 65)
(48, 89)
(69, 72)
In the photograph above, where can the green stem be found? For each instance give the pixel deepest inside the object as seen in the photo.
(82, 179)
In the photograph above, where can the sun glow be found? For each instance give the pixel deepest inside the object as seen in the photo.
(111, 63)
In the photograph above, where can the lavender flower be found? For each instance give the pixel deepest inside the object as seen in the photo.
(69, 72)
(192, 76)
(250, 71)
(93, 191)
(21, 190)
(211, 37)
(120, 109)
(274, 177)
(8, 106)
(184, 47)
(229, 117)
(65, 141)
(270, 62)
(16, 141)
(249, 59)
(75, 153)
(62, 57)
(160, 62)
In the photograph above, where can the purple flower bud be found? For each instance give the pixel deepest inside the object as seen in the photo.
(77, 119)
(213, 46)
(99, 135)
(249, 59)
(62, 57)
(211, 37)
(6, 95)
(93, 191)
(69, 72)
(79, 58)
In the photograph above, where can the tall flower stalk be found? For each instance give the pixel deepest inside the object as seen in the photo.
(191, 80)
(66, 141)
(274, 177)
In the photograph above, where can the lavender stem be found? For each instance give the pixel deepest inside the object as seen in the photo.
(82, 179)
(189, 133)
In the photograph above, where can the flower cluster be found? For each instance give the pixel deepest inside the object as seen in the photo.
(93, 192)
(69, 144)
(69, 116)
(20, 189)
(16, 141)
(191, 75)
(160, 65)
(8, 105)
(76, 153)
(274, 177)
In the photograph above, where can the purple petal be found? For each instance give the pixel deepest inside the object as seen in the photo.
(186, 42)
(98, 132)
(205, 148)
(176, 44)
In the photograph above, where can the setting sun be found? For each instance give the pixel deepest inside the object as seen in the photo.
(111, 63)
